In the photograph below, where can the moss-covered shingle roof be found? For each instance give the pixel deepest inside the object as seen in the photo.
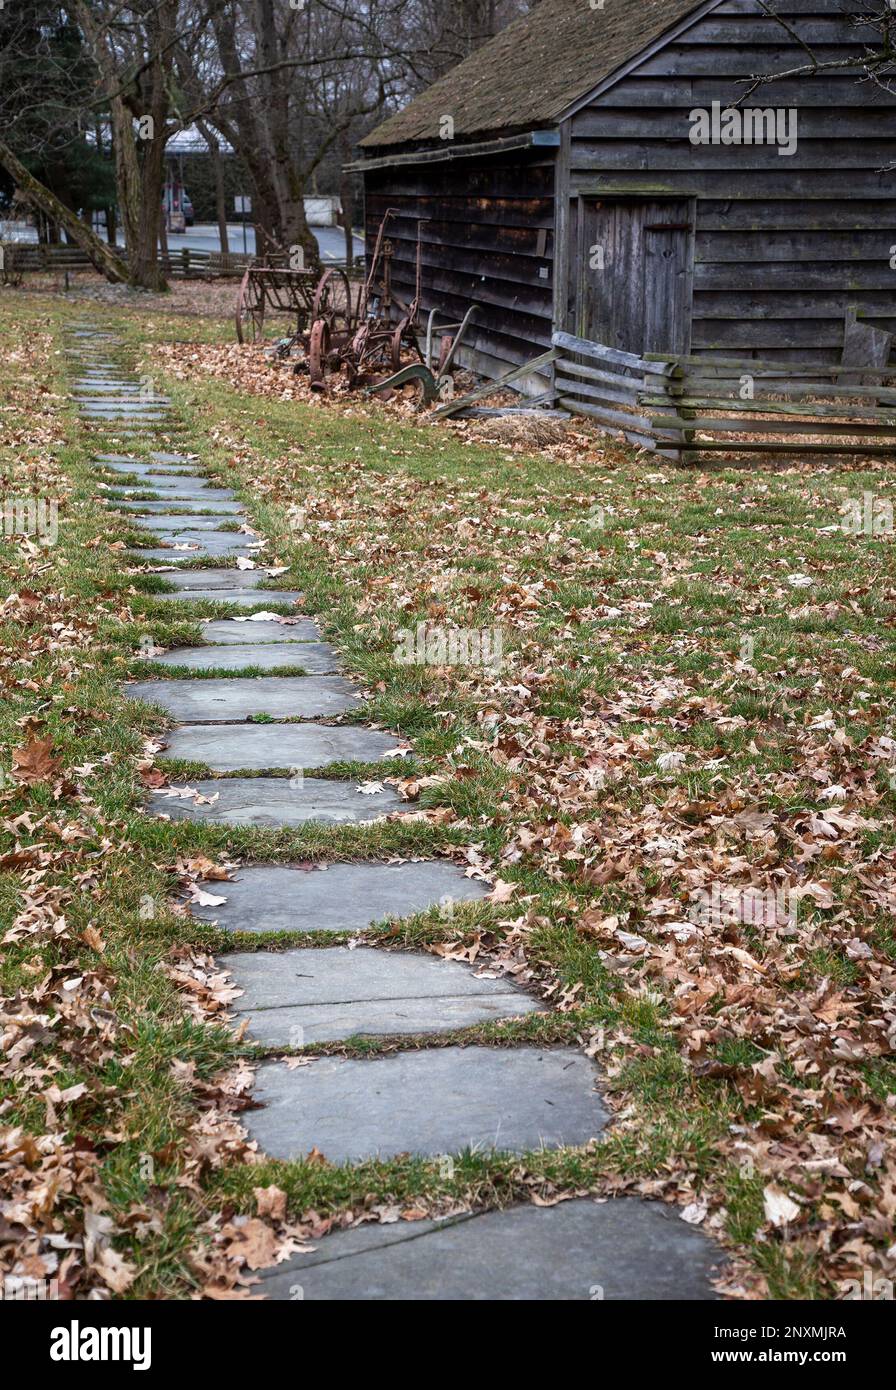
(534, 69)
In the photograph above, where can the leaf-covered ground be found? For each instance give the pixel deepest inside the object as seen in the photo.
(680, 779)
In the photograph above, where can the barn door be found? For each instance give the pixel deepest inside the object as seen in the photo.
(636, 273)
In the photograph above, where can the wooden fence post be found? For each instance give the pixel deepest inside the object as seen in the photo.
(670, 386)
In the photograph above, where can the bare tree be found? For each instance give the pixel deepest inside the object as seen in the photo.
(48, 148)
(134, 50)
(290, 86)
(39, 196)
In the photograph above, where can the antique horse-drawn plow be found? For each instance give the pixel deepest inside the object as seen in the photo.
(272, 288)
(355, 334)
(363, 339)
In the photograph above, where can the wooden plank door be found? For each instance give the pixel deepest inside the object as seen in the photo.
(636, 273)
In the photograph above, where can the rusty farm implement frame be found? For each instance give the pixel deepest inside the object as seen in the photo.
(363, 339)
(361, 332)
(275, 289)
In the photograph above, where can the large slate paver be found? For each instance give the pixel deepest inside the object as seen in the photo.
(276, 801)
(121, 397)
(121, 458)
(315, 658)
(161, 456)
(122, 412)
(142, 470)
(105, 382)
(282, 697)
(173, 507)
(103, 385)
(261, 600)
(310, 996)
(225, 631)
(127, 404)
(260, 747)
(175, 493)
(624, 1249)
(187, 545)
(215, 579)
(170, 525)
(430, 1102)
(341, 897)
(155, 481)
(140, 555)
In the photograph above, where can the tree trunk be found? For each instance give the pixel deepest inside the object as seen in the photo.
(102, 255)
(139, 170)
(296, 231)
(143, 257)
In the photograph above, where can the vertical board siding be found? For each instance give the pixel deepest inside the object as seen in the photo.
(783, 244)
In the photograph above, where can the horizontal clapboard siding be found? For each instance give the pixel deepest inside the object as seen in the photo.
(784, 245)
(487, 239)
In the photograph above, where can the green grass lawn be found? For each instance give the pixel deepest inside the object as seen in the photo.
(695, 696)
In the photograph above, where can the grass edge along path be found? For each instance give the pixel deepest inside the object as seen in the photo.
(670, 1135)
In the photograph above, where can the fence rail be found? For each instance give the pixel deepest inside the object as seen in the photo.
(180, 262)
(688, 408)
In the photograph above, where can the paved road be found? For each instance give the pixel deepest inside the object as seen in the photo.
(204, 237)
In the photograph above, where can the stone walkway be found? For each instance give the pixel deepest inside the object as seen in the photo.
(276, 732)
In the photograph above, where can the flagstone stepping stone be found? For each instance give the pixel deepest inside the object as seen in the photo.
(619, 1250)
(102, 386)
(236, 698)
(274, 801)
(187, 522)
(179, 494)
(160, 456)
(224, 631)
(315, 658)
(172, 481)
(139, 555)
(430, 1102)
(119, 458)
(249, 747)
(173, 508)
(337, 897)
(214, 578)
(143, 470)
(122, 393)
(123, 390)
(298, 997)
(108, 411)
(262, 599)
(195, 545)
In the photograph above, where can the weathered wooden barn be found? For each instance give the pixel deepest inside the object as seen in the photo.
(583, 173)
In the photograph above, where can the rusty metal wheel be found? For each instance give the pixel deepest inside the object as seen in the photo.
(318, 348)
(327, 297)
